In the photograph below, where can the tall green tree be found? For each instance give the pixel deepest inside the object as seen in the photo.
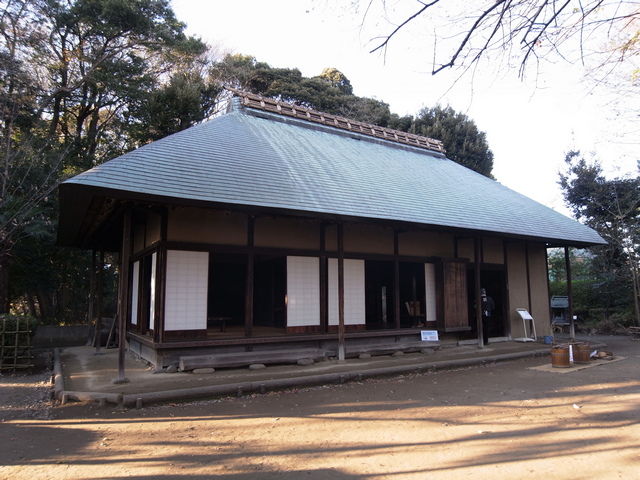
(100, 55)
(71, 73)
(463, 141)
(612, 208)
(328, 92)
(29, 158)
(188, 98)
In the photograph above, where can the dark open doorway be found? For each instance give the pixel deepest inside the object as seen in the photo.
(412, 294)
(492, 279)
(227, 286)
(379, 295)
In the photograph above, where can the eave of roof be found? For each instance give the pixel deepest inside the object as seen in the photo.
(266, 161)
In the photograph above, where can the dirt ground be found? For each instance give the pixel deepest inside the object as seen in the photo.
(502, 420)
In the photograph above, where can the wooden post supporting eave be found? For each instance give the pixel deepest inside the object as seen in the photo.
(572, 326)
(123, 297)
(396, 279)
(100, 300)
(341, 329)
(479, 326)
(92, 299)
(92, 290)
(249, 292)
(324, 282)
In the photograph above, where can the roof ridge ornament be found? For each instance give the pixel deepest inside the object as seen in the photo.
(267, 104)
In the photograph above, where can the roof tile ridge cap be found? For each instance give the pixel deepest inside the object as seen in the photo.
(365, 128)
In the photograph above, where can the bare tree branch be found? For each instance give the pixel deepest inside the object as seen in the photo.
(468, 36)
(399, 27)
(539, 27)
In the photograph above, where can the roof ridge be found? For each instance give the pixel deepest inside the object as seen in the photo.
(267, 104)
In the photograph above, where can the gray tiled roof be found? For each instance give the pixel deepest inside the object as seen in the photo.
(256, 159)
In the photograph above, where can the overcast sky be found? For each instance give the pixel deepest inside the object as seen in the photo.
(529, 124)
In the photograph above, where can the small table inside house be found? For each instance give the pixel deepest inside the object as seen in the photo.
(218, 321)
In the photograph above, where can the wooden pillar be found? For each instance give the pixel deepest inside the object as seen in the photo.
(479, 326)
(506, 308)
(92, 289)
(341, 329)
(93, 319)
(567, 262)
(123, 297)
(396, 279)
(248, 303)
(100, 302)
(161, 280)
(324, 281)
(159, 294)
(526, 258)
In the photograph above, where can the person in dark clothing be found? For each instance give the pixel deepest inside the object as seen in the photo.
(487, 305)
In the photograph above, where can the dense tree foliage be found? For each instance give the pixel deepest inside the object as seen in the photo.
(462, 140)
(329, 92)
(74, 77)
(612, 208)
(185, 100)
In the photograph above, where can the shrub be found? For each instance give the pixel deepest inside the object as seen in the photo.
(22, 325)
(613, 324)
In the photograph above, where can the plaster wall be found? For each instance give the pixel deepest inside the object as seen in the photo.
(287, 233)
(138, 242)
(540, 300)
(522, 280)
(154, 229)
(492, 251)
(362, 238)
(147, 233)
(206, 226)
(425, 244)
(466, 249)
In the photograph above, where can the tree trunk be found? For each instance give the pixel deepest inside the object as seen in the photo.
(46, 307)
(636, 294)
(4, 284)
(33, 311)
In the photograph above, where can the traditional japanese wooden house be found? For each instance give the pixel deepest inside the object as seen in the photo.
(277, 227)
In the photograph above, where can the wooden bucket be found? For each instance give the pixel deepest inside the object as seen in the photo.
(581, 353)
(560, 356)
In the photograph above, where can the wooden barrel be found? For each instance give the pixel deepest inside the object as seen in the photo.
(581, 353)
(560, 356)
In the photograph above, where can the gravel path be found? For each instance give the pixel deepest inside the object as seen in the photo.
(499, 420)
(27, 395)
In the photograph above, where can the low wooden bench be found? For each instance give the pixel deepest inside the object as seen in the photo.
(635, 332)
(243, 359)
(389, 348)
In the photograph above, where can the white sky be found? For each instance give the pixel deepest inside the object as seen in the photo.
(529, 125)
